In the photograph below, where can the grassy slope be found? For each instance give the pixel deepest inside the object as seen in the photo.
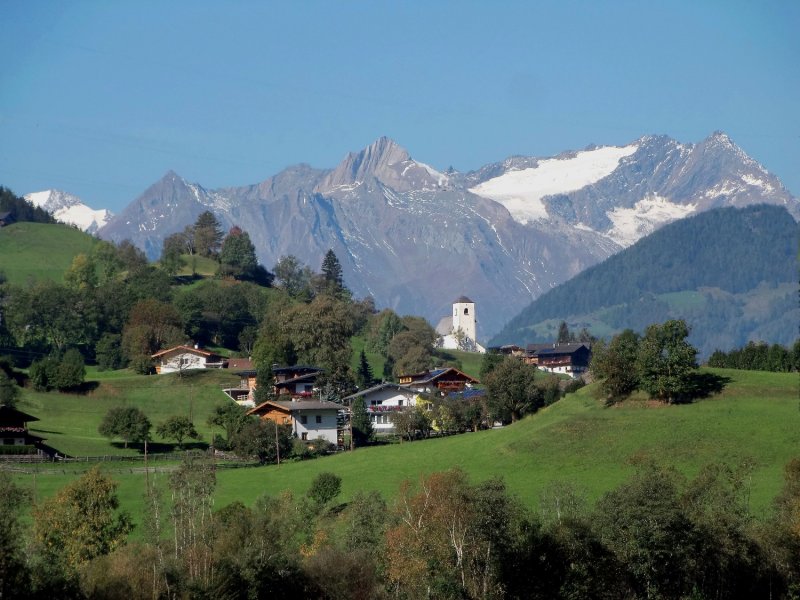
(70, 421)
(40, 250)
(755, 419)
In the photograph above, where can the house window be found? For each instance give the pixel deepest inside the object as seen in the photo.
(399, 403)
(303, 419)
(319, 418)
(304, 436)
(184, 361)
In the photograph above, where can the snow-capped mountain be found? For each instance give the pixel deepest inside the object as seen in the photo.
(415, 237)
(70, 209)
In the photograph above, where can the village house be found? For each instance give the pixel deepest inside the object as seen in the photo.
(14, 431)
(309, 419)
(569, 359)
(382, 401)
(438, 381)
(295, 382)
(181, 358)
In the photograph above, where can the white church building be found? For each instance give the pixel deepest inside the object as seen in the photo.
(458, 332)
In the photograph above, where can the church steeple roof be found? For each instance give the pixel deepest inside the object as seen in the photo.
(463, 300)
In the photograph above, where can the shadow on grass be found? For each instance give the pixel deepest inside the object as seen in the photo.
(162, 447)
(703, 385)
(86, 387)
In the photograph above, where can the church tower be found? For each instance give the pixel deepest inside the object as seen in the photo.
(464, 317)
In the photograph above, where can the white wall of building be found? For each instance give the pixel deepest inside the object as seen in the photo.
(318, 423)
(183, 361)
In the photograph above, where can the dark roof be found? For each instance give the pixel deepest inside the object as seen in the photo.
(8, 413)
(463, 300)
(429, 376)
(248, 373)
(307, 377)
(467, 393)
(295, 369)
(296, 406)
(541, 349)
(5, 215)
(377, 388)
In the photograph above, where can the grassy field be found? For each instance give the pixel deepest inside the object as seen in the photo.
(754, 420)
(69, 421)
(40, 251)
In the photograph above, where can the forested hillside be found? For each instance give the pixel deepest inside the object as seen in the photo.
(731, 273)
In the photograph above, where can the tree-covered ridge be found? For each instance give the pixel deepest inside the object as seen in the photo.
(21, 209)
(730, 249)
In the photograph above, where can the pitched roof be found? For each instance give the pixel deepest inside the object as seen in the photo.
(463, 300)
(300, 378)
(295, 406)
(379, 387)
(8, 413)
(430, 376)
(542, 349)
(296, 369)
(183, 348)
(244, 364)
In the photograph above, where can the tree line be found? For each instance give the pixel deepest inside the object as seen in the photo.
(759, 357)
(656, 535)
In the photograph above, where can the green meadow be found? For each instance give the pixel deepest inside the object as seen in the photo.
(755, 420)
(40, 251)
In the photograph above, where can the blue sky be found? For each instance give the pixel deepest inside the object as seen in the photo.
(102, 98)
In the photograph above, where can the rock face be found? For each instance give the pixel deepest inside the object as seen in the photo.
(414, 237)
(70, 209)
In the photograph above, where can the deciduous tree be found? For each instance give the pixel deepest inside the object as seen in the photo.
(81, 521)
(615, 364)
(512, 391)
(126, 422)
(178, 428)
(666, 361)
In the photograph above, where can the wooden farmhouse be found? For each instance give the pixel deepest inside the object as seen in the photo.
(382, 401)
(181, 358)
(441, 381)
(294, 382)
(309, 419)
(14, 432)
(569, 359)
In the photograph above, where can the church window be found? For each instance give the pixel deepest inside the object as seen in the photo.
(466, 311)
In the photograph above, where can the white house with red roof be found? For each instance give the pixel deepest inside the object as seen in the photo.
(181, 358)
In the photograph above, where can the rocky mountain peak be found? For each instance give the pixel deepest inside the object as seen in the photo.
(374, 161)
(70, 209)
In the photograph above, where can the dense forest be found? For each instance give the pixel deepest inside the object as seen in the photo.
(704, 255)
(21, 209)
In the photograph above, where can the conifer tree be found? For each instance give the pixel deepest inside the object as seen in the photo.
(364, 376)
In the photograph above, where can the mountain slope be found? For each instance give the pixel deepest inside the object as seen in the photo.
(415, 238)
(736, 270)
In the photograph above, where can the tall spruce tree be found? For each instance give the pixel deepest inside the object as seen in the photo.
(364, 375)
